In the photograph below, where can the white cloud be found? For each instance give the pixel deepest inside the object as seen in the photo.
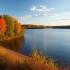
(44, 11)
(41, 10)
(33, 8)
(43, 7)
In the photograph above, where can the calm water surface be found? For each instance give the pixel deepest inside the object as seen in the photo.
(52, 42)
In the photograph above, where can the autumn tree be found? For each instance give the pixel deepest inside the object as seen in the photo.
(13, 26)
(2, 25)
(10, 25)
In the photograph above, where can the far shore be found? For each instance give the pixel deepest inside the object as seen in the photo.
(45, 27)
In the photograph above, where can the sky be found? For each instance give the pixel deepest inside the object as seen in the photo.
(43, 12)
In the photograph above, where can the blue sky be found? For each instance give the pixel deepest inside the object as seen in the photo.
(44, 12)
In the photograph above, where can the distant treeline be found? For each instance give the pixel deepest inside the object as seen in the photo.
(60, 27)
(30, 26)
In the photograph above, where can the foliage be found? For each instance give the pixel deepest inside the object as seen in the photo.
(9, 26)
(2, 24)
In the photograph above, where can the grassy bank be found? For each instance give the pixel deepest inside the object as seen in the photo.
(10, 60)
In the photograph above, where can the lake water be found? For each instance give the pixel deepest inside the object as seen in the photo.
(52, 42)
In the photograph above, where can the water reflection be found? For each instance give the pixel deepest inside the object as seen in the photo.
(13, 44)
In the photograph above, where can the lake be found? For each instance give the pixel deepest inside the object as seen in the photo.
(52, 42)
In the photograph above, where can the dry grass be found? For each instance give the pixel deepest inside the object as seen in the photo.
(10, 60)
(40, 62)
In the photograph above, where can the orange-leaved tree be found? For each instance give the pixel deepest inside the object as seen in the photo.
(2, 25)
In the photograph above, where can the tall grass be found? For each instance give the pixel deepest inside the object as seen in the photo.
(40, 62)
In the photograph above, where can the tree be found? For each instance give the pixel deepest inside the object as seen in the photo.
(9, 24)
(2, 25)
(13, 26)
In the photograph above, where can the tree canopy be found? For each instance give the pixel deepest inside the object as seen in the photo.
(9, 25)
